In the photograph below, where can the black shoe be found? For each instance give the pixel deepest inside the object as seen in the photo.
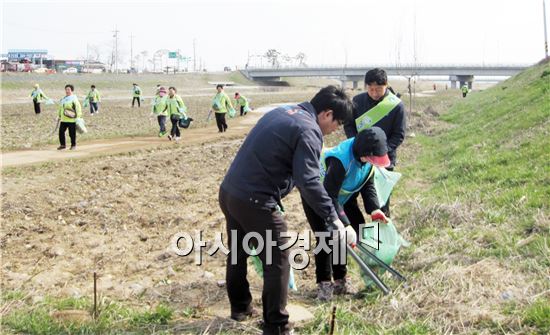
(61, 147)
(244, 315)
(73, 147)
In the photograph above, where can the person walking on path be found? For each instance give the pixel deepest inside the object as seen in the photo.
(160, 110)
(176, 111)
(137, 95)
(221, 105)
(280, 152)
(37, 96)
(94, 98)
(464, 90)
(69, 110)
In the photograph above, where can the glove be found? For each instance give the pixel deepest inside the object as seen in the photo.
(378, 215)
(344, 232)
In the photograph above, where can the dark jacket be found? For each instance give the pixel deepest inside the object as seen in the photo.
(280, 152)
(393, 124)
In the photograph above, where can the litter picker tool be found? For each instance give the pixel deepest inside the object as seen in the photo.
(380, 262)
(367, 271)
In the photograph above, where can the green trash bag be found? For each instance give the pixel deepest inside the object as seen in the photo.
(384, 242)
(258, 266)
(232, 113)
(384, 182)
(86, 103)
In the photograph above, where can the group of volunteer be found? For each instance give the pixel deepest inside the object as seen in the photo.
(285, 149)
(166, 104)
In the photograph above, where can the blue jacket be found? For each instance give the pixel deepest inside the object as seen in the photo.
(280, 152)
(356, 173)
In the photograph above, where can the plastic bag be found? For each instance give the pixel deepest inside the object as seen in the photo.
(384, 182)
(86, 102)
(232, 113)
(258, 266)
(50, 102)
(81, 126)
(384, 242)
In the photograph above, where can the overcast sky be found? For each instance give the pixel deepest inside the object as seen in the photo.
(328, 32)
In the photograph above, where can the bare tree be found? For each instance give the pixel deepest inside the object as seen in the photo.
(300, 58)
(273, 56)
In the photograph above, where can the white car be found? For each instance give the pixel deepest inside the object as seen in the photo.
(70, 70)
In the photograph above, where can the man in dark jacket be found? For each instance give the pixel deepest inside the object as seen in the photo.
(381, 108)
(280, 152)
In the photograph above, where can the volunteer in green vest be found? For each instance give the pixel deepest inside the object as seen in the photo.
(221, 104)
(160, 110)
(347, 170)
(69, 110)
(242, 102)
(93, 99)
(137, 95)
(464, 90)
(176, 110)
(37, 97)
(381, 108)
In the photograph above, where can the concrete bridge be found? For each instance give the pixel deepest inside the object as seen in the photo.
(464, 74)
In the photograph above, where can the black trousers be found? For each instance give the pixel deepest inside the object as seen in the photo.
(325, 270)
(138, 99)
(36, 107)
(242, 110)
(93, 107)
(175, 129)
(243, 218)
(220, 122)
(72, 133)
(162, 122)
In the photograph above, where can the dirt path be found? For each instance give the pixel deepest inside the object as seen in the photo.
(237, 128)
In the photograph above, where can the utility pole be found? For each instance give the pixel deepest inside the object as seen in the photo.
(116, 48)
(545, 34)
(131, 52)
(194, 56)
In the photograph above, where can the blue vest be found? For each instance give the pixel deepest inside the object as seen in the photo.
(357, 174)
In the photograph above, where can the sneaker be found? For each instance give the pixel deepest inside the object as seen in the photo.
(162, 133)
(177, 139)
(242, 316)
(169, 137)
(287, 329)
(61, 147)
(324, 291)
(344, 286)
(73, 147)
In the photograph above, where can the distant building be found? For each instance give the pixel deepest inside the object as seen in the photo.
(33, 56)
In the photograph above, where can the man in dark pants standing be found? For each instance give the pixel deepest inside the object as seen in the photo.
(381, 108)
(257, 180)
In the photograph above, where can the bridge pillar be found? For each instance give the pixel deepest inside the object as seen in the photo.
(462, 79)
(355, 84)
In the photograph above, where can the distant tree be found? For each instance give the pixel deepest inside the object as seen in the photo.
(273, 56)
(300, 58)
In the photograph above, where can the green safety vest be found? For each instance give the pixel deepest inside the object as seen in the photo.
(377, 112)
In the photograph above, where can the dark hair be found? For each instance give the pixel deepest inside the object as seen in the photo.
(134, 84)
(71, 86)
(219, 86)
(376, 76)
(335, 99)
(172, 88)
(93, 86)
(237, 93)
